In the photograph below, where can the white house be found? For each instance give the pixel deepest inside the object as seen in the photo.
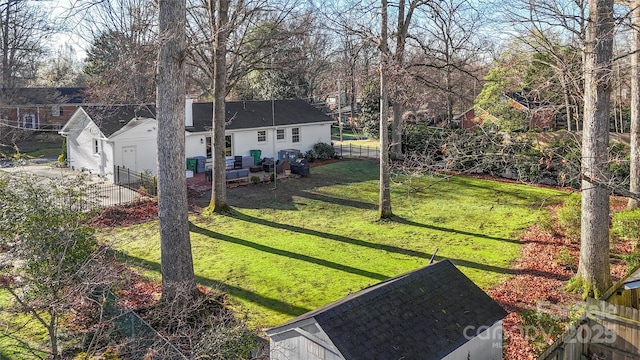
(434, 312)
(102, 137)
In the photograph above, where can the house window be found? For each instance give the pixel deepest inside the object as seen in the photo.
(55, 110)
(295, 135)
(96, 146)
(262, 135)
(280, 134)
(227, 146)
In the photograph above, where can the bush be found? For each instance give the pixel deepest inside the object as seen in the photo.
(255, 179)
(569, 216)
(310, 155)
(227, 339)
(324, 151)
(626, 225)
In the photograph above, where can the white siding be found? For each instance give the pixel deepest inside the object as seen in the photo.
(293, 346)
(195, 145)
(81, 153)
(310, 134)
(304, 342)
(143, 139)
(487, 345)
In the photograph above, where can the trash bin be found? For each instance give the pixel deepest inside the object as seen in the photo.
(300, 167)
(192, 164)
(256, 156)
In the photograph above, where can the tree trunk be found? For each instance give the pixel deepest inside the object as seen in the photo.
(176, 259)
(567, 101)
(52, 327)
(634, 173)
(219, 186)
(593, 275)
(396, 130)
(6, 71)
(385, 179)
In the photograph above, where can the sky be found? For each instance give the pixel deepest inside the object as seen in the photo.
(60, 12)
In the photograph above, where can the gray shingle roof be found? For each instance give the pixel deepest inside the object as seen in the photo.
(239, 114)
(111, 118)
(45, 95)
(255, 114)
(418, 315)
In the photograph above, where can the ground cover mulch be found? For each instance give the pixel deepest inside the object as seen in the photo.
(539, 285)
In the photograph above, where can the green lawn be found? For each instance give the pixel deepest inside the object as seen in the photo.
(21, 326)
(313, 240)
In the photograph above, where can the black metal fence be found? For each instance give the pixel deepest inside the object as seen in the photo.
(140, 182)
(357, 151)
(101, 195)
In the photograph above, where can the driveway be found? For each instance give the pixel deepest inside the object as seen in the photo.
(106, 193)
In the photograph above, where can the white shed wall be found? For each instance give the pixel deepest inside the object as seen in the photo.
(293, 346)
(142, 139)
(81, 154)
(484, 346)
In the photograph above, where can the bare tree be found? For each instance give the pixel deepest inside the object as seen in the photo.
(593, 274)
(176, 259)
(384, 205)
(634, 173)
(63, 69)
(120, 62)
(544, 25)
(219, 186)
(24, 27)
(448, 38)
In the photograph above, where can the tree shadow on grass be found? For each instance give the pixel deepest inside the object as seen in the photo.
(394, 249)
(408, 222)
(310, 259)
(235, 291)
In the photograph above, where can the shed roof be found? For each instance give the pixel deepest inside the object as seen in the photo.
(422, 312)
(111, 118)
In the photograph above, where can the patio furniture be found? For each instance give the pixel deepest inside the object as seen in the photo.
(237, 175)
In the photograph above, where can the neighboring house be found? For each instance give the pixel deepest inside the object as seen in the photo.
(101, 137)
(40, 108)
(540, 115)
(472, 118)
(434, 312)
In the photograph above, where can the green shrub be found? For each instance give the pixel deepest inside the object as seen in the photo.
(310, 155)
(324, 151)
(632, 260)
(569, 216)
(626, 225)
(255, 179)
